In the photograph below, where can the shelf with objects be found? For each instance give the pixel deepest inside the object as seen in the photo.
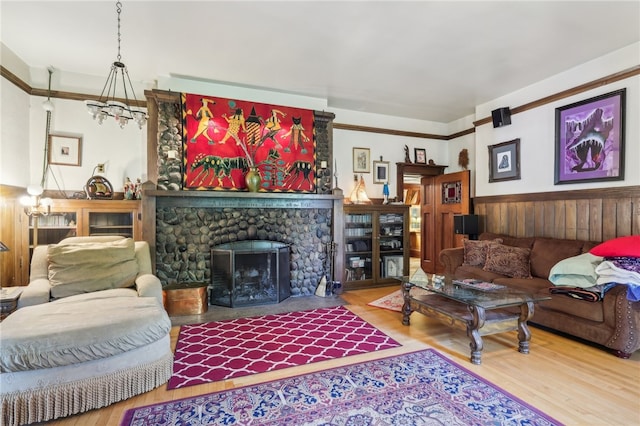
(376, 245)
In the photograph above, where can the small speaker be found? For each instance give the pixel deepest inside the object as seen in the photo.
(466, 224)
(501, 117)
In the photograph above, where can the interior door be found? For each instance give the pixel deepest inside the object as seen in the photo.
(443, 197)
(427, 215)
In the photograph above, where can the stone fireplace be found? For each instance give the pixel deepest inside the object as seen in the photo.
(189, 225)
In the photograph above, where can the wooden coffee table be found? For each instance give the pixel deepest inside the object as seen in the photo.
(479, 312)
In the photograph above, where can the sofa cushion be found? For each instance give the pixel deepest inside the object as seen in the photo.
(476, 272)
(528, 285)
(475, 251)
(547, 252)
(80, 328)
(508, 260)
(88, 267)
(593, 311)
(523, 242)
(619, 247)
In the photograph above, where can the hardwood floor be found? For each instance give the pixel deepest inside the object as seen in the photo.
(575, 383)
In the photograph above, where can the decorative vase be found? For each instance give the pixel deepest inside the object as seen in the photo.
(253, 179)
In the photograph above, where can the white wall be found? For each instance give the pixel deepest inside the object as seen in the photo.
(23, 132)
(124, 151)
(536, 127)
(14, 135)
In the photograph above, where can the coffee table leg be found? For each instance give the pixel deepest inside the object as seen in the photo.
(476, 323)
(406, 308)
(524, 335)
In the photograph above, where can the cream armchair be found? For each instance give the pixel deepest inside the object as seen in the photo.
(90, 330)
(39, 289)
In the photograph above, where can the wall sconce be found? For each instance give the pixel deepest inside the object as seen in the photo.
(466, 224)
(34, 204)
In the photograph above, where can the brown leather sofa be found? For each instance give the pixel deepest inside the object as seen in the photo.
(613, 322)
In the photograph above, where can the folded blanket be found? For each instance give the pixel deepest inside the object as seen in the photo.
(615, 271)
(576, 293)
(576, 271)
(627, 263)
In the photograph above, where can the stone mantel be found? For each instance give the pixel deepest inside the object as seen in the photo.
(243, 199)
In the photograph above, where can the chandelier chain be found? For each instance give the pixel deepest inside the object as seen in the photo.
(119, 10)
(108, 105)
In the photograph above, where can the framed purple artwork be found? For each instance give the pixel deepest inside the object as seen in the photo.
(590, 139)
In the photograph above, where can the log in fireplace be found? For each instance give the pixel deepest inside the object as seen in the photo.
(249, 272)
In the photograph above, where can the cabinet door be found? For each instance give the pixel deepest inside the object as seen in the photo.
(358, 235)
(50, 229)
(111, 221)
(391, 244)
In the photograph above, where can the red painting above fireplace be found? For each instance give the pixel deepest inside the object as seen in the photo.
(224, 138)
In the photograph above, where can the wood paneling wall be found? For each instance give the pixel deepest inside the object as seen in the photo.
(11, 234)
(592, 215)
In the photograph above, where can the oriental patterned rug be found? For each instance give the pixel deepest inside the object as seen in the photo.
(394, 301)
(418, 388)
(226, 349)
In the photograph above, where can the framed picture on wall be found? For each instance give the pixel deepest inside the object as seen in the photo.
(420, 155)
(64, 150)
(504, 161)
(590, 139)
(361, 160)
(380, 172)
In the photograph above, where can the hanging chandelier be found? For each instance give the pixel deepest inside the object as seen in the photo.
(108, 105)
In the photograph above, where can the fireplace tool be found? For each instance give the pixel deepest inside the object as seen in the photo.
(334, 287)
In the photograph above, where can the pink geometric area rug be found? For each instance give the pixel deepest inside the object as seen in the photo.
(418, 388)
(225, 349)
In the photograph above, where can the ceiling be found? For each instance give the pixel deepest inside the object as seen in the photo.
(423, 59)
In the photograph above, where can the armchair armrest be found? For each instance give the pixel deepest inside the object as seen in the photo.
(451, 258)
(36, 293)
(149, 285)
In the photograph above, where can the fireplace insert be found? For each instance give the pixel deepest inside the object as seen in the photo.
(251, 272)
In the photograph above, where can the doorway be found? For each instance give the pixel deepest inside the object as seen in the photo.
(440, 197)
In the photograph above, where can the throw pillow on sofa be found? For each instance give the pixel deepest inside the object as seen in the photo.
(510, 261)
(628, 246)
(475, 252)
(88, 267)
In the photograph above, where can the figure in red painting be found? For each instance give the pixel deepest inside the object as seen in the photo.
(236, 122)
(297, 135)
(205, 116)
(273, 126)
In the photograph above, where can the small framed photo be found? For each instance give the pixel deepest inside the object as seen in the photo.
(393, 266)
(420, 155)
(361, 160)
(380, 172)
(504, 161)
(590, 140)
(64, 150)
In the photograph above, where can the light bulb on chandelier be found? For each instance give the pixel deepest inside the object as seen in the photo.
(108, 105)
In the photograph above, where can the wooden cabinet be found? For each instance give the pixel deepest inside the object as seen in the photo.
(376, 245)
(70, 218)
